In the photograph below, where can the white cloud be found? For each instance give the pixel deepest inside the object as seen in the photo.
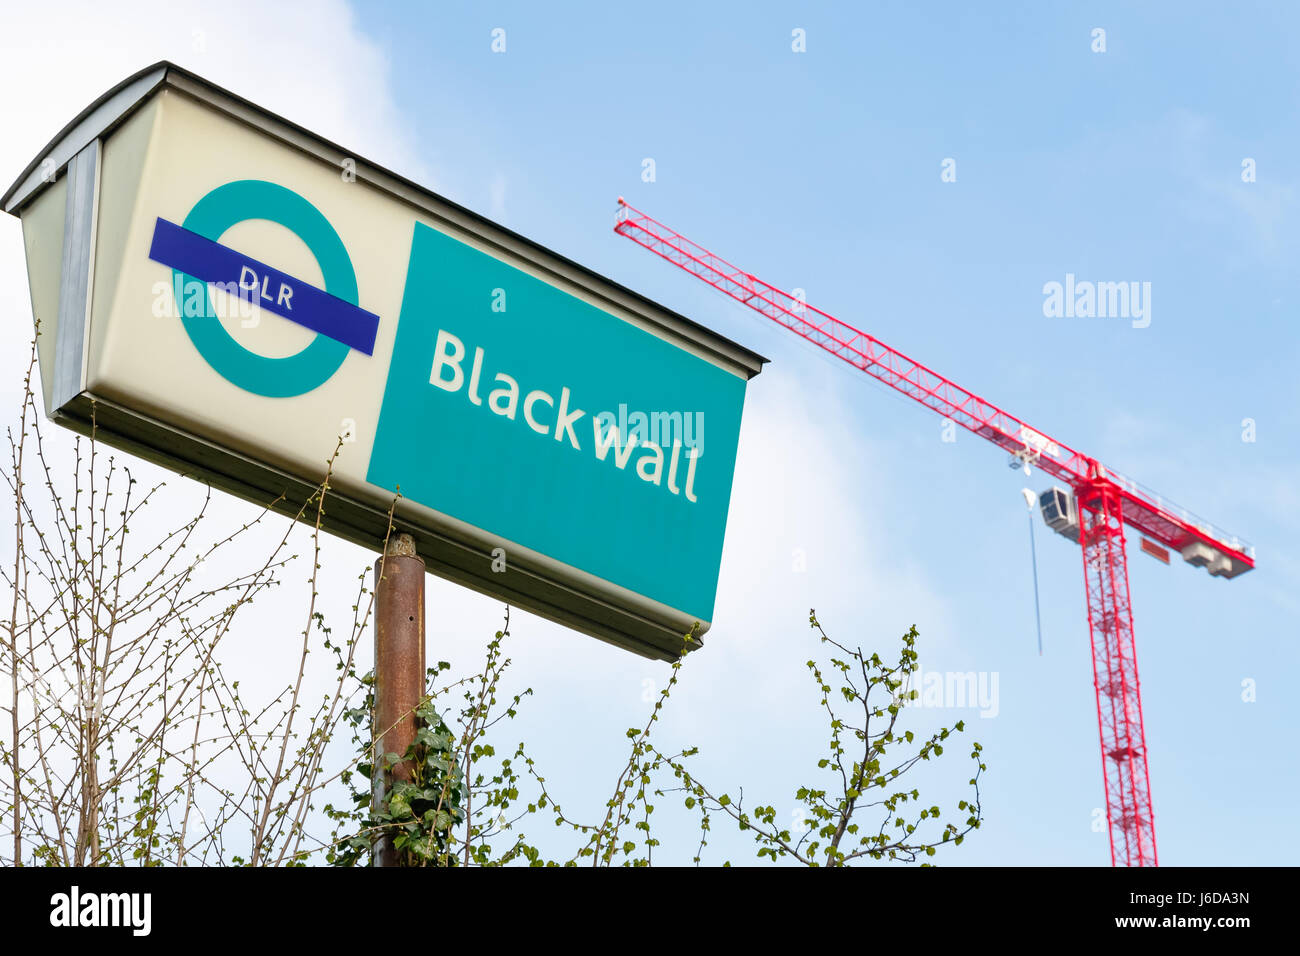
(306, 61)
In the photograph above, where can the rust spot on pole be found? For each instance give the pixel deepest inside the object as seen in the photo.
(399, 664)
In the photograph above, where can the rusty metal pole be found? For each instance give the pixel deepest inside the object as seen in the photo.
(399, 665)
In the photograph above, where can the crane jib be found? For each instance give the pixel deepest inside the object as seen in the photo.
(1149, 513)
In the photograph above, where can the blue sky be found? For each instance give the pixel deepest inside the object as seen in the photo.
(821, 170)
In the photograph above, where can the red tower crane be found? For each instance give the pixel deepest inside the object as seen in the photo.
(1093, 513)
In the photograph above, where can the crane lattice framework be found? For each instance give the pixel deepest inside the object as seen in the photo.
(1101, 502)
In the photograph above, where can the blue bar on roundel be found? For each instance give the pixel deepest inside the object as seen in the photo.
(273, 290)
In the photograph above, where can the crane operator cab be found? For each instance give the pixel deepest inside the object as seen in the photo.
(1060, 512)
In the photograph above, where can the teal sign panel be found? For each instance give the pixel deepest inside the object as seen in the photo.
(540, 418)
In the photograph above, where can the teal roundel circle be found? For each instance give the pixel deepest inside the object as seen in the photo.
(308, 368)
